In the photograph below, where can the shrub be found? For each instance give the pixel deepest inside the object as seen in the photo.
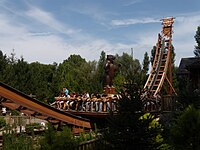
(2, 122)
(185, 133)
(30, 127)
(13, 141)
(56, 140)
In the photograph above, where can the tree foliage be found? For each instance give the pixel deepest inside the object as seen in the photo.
(13, 141)
(145, 68)
(99, 73)
(47, 80)
(197, 38)
(2, 122)
(153, 52)
(130, 68)
(54, 140)
(145, 63)
(130, 128)
(185, 132)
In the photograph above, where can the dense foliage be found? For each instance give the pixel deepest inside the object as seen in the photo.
(131, 128)
(53, 140)
(185, 132)
(2, 122)
(46, 81)
(13, 141)
(50, 140)
(197, 38)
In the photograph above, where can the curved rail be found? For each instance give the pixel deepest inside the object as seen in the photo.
(162, 60)
(159, 69)
(17, 100)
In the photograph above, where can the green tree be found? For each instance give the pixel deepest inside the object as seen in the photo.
(73, 73)
(99, 76)
(2, 122)
(119, 82)
(186, 94)
(40, 80)
(153, 52)
(13, 141)
(145, 68)
(3, 65)
(197, 38)
(185, 132)
(145, 63)
(130, 129)
(54, 140)
(15, 74)
(94, 79)
(130, 68)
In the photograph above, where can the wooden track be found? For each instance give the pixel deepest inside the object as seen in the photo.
(162, 60)
(17, 100)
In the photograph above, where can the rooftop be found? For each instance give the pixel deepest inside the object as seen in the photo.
(188, 63)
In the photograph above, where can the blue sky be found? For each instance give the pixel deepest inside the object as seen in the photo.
(50, 31)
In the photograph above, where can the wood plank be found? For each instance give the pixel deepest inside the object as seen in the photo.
(30, 103)
(77, 130)
(27, 111)
(41, 117)
(10, 105)
(53, 121)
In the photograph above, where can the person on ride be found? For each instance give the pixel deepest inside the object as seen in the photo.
(66, 92)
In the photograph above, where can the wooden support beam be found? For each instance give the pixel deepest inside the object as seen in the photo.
(10, 105)
(27, 111)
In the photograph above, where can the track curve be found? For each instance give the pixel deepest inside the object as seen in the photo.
(162, 60)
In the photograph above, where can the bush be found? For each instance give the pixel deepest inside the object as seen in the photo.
(13, 141)
(56, 140)
(2, 122)
(30, 127)
(185, 133)
(130, 128)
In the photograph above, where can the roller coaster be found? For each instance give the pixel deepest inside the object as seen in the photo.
(161, 68)
(162, 64)
(161, 71)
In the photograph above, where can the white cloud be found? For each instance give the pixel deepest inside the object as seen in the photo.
(48, 19)
(185, 27)
(132, 2)
(184, 31)
(133, 21)
(47, 46)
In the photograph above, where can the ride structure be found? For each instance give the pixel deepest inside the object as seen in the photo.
(162, 65)
(16, 100)
(161, 71)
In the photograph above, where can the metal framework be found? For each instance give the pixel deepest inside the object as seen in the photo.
(162, 66)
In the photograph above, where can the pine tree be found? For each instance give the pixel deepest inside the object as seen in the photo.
(197, 38)
(145, 63)
(153, 52)
(130, 129)
(184, 132)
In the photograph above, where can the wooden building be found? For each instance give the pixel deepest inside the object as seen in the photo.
(190, 69)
